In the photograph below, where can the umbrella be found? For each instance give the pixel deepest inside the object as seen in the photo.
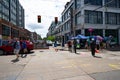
(99, 37)
(75, 37)
(82, 37)
(105, 38)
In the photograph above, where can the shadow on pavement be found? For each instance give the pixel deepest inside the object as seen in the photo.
(97, 57)
(31, 52)
(77, 53)
(15, 60)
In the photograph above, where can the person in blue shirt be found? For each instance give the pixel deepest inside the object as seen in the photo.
(55, 46)
(24, 48)
(17, 48)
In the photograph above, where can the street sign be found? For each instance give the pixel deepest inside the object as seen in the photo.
(90, 29)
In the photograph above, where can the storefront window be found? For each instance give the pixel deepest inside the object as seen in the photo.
(5, 30)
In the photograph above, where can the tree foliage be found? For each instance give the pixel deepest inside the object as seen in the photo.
(51, 38)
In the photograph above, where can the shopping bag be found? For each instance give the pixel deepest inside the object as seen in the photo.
(97, 51)
(78, 46)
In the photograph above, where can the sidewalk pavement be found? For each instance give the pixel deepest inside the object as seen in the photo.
(51, 65)
(63, 65)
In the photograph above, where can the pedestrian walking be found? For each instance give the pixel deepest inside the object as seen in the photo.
(93, 46)
(17, 48)
(69, 43)
(24, 49)
(98, 44)
(74, 45)
(55, 46)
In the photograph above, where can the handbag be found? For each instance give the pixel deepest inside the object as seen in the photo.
(97, 51)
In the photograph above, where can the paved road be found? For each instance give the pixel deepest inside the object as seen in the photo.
(62, 65)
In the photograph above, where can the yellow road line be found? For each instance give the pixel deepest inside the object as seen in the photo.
(115, 66)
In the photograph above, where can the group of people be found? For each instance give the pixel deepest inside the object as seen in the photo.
(72, 44)
(19, 45)
(94, 46)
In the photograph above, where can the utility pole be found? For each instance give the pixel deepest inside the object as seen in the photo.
(72, 30)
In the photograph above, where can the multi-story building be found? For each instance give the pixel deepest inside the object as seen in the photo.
(11, 18)
(52, 28)
(91, 17)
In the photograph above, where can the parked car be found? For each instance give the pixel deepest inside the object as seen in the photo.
(29, 46)
(7, 48)
(112, 43)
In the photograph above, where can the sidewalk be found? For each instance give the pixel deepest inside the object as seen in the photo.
(52, 66)
(63, 65)
(105, 53)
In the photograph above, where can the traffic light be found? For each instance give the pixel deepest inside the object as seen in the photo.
(39, 19)
(56, 20)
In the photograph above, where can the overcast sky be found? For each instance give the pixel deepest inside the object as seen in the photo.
(48, 9)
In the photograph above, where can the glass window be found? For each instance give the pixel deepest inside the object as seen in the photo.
(113, 3)
(118, 19)
(77, 4)
(93, 2)
(77, 18)
(0, 15)
(93, 17)
(69, 25)
(5, 30)
(14, 32)
(6, 3)
(112, 18)
(0, 7)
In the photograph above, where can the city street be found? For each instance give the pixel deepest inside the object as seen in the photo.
(46, 64)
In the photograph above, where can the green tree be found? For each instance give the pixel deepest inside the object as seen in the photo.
(51, 38)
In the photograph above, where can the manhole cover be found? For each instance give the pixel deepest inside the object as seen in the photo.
(41, 51)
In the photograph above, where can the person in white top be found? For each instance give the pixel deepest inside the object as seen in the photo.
(98, 44)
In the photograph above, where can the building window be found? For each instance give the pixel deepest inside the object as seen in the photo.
(5, 11)
(0, 10)
(93, 2)
(0, 15)
(69, 27)
(113, 3)
(93, 17)
(14, 33)
(77, 18)
(77, 4)
(5, 30)
(112, 18)
(0, 7)
(6, 3)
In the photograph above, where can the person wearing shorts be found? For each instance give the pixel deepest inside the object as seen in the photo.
(17, 48)
(24, 49)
